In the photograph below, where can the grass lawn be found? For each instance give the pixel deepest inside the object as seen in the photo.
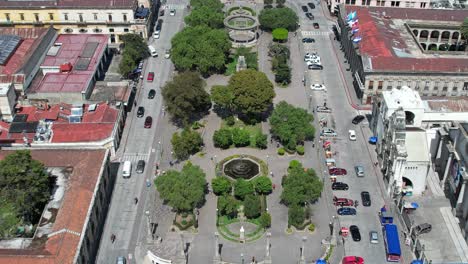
(252, 129)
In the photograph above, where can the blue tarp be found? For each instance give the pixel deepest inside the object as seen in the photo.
(373, 140)
(393, 242)
(141, 12)
(417, 262)
(321, 261)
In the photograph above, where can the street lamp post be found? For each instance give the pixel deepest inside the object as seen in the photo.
(217, 217)
(242, 258)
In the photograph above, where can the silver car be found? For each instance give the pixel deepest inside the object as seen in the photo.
(374, 237)
(359, 171)
(328, 132)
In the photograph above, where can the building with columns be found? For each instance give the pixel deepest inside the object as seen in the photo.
(420, 4)
(421, 49)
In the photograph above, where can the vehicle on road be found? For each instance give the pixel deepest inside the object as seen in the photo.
(328, 132)
(318, 87)
(311, 5)
(315, 67)
(308, 40)
(151, 94)
(310, 16)
(341, 186)
(121, 260)
(337, 171)
(304, 8)
(140, 111)
(355, 234)
(392, 243)
(148, 122)
(316, 26)
(172, 12)
(323, 109)
(167, 54)
(311, 57)
(346, 211)
(359, 170)
(357, 119)
(140, 65)
(153, 51)
(373, 237)
(127, 169)
(423, 228)
(352, 135)
(150, 77)
(342, 201)
(352, 260)
(366, 200)
(140, 166)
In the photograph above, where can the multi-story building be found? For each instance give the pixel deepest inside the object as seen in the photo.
(421, 4)
(396, 47)
(112, 17)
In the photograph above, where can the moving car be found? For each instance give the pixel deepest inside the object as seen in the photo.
(308, 40)
(352, 135)
(172, 12)
(423, 228)
(148, 122)
(311, 5)
(341, 186)
(309, 16)
(316, 26)
(352, 260)
(318, 87)
(355, 234)
(311, 57)
(346, 211)
(342, 201)
(315, 67)
(150, 77)
(140, 166)
(366, 200)
(337, 171)
(357, 119)
(328, 132)
(373, 237)
(323, 109)
(140, 111)
(359, 170)
(151, 94)
(304, 8)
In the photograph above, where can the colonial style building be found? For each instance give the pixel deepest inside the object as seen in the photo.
(112, 17)
(396, 47)
(421, 4)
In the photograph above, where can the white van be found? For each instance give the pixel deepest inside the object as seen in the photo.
(152, 51)
(127, 169)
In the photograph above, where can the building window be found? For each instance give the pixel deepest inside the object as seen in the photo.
(371, 85)
(95, 16)
(353, 2)
(423, 5)
(465, 86)
(7, 17)
(111, 30)
(395, 3)
(436, 86)
(65, 16)
(380, 85)
(380, 3)
(398, 85)
(126, 30)
(36, 17)
(424, 94)
(125, 17)
(109, 17)
(445, 88)
(80, 17)
(426, 87)
(363, 2)
(389, 86)
(454, 88)
(51, 16)
(347, 2)
(21, 16)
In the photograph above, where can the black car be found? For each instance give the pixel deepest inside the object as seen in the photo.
(308, 40)
(140, 166)
(316, 25)
(161, 12)
(140, 111)
(311, 5)
(151, 94)
(357, 119)
(315, 67)
(365, 197)
(355, 234)
(340, 186)
(304, 8)
(310, 16)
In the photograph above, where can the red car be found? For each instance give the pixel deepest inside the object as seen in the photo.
(342, 201)
(337, 171)
(148, 122)
(352, 260)
(150, 77)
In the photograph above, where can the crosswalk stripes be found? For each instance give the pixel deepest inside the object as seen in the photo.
(175, 6)
(134, 157)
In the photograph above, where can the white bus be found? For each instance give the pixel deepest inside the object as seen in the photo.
(127, 169)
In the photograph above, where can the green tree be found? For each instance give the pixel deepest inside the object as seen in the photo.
(253, 92)
(185, 97)
(296, 215)
(294, 164)
(183, 190)
(9, 220)
(215, 5)
(252, 206)
(261, 140)
(300, 186)
(228, 205)
(24, 184)
(240, 137)
(200, 48)
(278, 18)
(223, 97)
(265, 220)
(221, 185)
(280, 34)
(135, 49)
(283, 74)
(464, 31)
(262, 185)
(268, 2)
(276, 50)
(291, 125)
(187, 143)
(243, 188)
(205, 16)
(222, 138)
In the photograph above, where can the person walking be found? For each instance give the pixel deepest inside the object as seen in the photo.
(112, 238)
(136, 200)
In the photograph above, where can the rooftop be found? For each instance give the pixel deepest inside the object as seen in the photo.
(108, 4)
(387, 44)
(82, 52)
(416, 146)
(446, 105)
(403, 97)
(84, 168)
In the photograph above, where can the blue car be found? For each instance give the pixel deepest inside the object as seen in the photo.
(346, 211)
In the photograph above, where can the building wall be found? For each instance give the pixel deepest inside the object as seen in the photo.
(7, 104)
(332, 4)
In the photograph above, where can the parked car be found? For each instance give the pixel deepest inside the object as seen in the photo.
(311, 5)
(337, 171)
(423, 228)
(352, 135)
(172, 12)
(167, 54)
(148, 122)
(151, 94)
(315, 67)
(140, 65)
(342, 201)
(150, 77)
(346, 211)
(359, 170)
(352, 260)
(311, 57)
(323, 109)
(121, 260)
(357, 119)
(308, 40)
(318, 87)
(373, 237)
(355, 234)
(140, 111)
(328, 132)
(340, 186)
(316, 26)
(310, 16)
(304, 8)
(366, 200)
(140, 166)
(161, 12)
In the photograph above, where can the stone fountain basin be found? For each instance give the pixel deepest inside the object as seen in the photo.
(234, 170)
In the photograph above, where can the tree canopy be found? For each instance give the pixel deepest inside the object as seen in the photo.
(252, 206)
(221, 185)
(283, 17)
(186, 143)
(228, 205)
(222, 138)
(185, 97)
(464, 30)
(135, 49)
(183, 190)
(243, 188)
(280, 34)
(222, 97)
(300, 186)
(205, 16)
(262, 185)
(292, 125)
(200, 48)
(212, 4)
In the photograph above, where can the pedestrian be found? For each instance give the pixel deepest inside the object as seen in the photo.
(313, 111)
(136, 200)
(313, 144)
(134, 103)
(112, 238)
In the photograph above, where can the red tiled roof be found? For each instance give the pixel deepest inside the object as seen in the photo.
(109, 4)
(61, 248)
(380, 36)
(81, 132)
